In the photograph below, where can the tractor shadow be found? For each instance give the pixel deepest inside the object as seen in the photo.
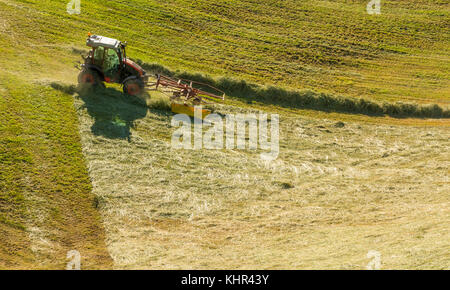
(114, 113)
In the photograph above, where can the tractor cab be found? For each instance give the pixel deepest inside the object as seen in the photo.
(108, 55)
(107, 61)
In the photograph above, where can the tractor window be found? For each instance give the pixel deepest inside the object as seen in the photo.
(98, 55)
(111, 64)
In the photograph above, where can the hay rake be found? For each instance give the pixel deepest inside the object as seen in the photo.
(185, 93)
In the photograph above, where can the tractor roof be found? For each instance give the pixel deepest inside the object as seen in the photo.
(97, 40)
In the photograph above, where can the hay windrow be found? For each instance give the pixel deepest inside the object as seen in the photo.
(305, 99)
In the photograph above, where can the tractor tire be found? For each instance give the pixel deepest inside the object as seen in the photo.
(133, 87)
(89, 78)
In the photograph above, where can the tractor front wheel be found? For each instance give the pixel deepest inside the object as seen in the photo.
(133, 87)
(88, 78)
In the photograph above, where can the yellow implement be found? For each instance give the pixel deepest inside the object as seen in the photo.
(188, 110)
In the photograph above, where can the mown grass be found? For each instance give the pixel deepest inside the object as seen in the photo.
(336, 191)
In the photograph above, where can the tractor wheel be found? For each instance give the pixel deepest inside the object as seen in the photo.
(133, 87)
(88, 78)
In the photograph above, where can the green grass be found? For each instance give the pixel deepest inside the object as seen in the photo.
(337, 191)
(14, 159)
(45, 192)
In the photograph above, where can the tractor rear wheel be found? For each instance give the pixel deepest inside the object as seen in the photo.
(89, 78)
(133, 87)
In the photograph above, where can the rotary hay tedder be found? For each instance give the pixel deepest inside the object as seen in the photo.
(107, 62)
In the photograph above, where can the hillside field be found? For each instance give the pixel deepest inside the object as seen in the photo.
(95, 172)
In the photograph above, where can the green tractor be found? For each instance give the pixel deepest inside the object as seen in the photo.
(107, 62)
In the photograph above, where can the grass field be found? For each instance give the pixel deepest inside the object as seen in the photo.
(96, 173)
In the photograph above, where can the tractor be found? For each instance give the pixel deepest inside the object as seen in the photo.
(107, 62)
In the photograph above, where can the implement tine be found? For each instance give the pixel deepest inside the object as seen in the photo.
(186, 88)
